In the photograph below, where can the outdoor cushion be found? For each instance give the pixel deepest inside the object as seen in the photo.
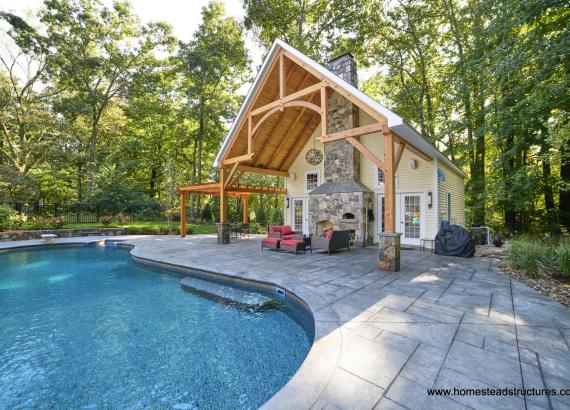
(329, 233)
(286, 230)
(291, 242)
(274, 228)
(271, 240)
(292, 236)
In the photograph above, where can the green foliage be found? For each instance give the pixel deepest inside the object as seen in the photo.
(6, 216)
(539, 257)
(57, 222)
(206, 213)
(106, 220)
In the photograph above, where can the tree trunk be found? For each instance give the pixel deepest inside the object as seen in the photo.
(564, 201)
(200, 138)
(92, 155)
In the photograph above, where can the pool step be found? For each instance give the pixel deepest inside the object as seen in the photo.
(227, 294)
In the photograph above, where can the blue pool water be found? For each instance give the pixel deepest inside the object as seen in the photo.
(87, 327)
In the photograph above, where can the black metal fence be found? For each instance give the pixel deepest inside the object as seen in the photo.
(90, 213)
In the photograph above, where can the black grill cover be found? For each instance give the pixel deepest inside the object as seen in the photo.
(454, 240)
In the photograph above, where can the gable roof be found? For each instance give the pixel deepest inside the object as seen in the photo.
(395, 122)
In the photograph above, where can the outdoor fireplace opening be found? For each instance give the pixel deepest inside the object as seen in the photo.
(348, 217)
(323, 226)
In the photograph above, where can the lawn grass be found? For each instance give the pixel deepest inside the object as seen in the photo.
(146, 225)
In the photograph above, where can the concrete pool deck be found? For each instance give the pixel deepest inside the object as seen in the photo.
(382, 339)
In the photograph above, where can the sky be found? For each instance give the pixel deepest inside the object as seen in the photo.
(183, 16)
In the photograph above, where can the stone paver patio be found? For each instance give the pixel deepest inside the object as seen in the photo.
(382, 339)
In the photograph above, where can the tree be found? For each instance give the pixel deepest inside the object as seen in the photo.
(319, 28)
(215, 65)
(98, 50)
(27, 123)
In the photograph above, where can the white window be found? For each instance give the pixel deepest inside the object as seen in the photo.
(380, 177)
(312, 180)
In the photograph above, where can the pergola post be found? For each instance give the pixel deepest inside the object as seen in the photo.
(245, 206)
(182, 214)
(389, 258)
(223, 226)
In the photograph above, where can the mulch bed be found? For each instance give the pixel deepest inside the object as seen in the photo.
(549, 286)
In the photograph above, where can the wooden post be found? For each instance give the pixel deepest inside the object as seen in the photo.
(245, 206)
(389, 182)
(182, 214)
(223, 198)
(324, 111)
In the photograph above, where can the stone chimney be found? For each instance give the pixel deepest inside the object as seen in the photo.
(342, 202)
(342, 160)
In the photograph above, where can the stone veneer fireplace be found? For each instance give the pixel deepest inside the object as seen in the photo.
(342, 200)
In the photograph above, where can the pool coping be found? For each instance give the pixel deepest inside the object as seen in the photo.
(305, 387)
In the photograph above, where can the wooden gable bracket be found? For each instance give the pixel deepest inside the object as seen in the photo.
(399, 153)
(367, 153)
(353, 132)
(240, 158)
(229, 180)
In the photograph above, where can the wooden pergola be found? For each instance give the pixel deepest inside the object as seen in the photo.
(214, 188)
(287, 103)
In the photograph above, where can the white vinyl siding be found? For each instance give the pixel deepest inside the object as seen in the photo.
(454, 185)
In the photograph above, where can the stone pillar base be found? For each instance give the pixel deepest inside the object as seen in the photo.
(224, 230)
(389, 252)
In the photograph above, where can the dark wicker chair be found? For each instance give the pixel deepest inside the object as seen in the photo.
(338, 240)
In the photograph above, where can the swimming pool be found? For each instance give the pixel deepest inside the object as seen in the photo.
(88, 327)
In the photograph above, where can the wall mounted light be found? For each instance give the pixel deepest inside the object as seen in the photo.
(413, 164)
(287, 200)
(430, 199)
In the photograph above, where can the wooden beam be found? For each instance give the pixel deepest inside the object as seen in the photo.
(253, 101)
(324, 110)
(366, 152)
(249, 135)
(256, 189)
(206, 185)
(389, 184)
(353, 132)
(291, 97)
(223, 198)
(231, 174)
(352, 98)
(263, 149)
(307, 104)
(182, 214)
(401, 146)
(245, 208)
(244, 157)
(263, 171)
(265, 116)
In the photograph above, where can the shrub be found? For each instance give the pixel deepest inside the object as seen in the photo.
(122, 219)
(106, 220)
(40, 223)
(18, 221)
(6, 215)
(536, 257)
(57, 222)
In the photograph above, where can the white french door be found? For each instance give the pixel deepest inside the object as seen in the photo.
(299, 215)
(410, 216)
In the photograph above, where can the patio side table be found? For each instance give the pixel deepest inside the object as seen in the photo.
(424, 242)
